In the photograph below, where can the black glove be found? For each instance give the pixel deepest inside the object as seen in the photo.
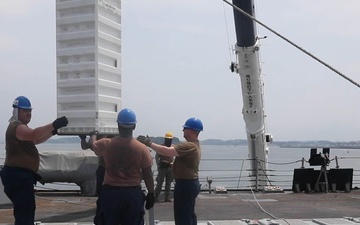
(54, 132)
(39, 178)
(82, 137)
(60, 122)
(145, 140)
(150, 200)
(95, 132)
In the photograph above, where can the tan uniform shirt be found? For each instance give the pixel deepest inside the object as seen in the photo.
(186, 164)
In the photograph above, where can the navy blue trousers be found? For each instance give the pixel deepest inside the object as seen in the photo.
(185, 193)
(123, 206)
(100, 173)
(19, 187)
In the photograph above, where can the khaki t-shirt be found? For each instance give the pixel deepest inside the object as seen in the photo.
(186, 164)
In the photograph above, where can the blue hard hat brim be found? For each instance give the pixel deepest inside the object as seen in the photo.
(126, 125)
(191, 128)
(22, 107)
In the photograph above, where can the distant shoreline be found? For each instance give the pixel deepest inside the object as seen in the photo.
(236, 142)
(331, 147)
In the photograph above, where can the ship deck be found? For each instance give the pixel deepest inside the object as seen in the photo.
(227, 208)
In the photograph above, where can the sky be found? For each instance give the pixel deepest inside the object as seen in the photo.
(175, 65)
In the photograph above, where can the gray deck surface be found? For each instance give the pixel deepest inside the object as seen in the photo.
(230, 208)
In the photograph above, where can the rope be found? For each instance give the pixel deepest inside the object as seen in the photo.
(227, 33)
(262, 209)
(285, 163)
(260, 160)
(293, 44)
(240, 172)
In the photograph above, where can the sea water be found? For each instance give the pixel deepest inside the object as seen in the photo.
(228, 166)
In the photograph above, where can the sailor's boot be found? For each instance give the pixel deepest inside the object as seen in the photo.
(167, 197)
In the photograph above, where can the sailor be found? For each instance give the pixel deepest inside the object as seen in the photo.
(22, 160)
(164, 165)
(100, 173)
(127, 162)
(185, 170)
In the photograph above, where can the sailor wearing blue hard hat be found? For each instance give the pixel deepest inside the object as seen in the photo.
(185, 170)
(22, 158)
(127, 162)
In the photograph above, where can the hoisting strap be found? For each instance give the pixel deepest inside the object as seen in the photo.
(292, 43)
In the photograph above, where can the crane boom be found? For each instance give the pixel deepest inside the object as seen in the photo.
(248, 67)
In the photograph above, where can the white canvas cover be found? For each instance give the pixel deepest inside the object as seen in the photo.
(77, 167)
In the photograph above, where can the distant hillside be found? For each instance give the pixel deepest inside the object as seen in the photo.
(318, 144)
(160, 140)
(224, 142)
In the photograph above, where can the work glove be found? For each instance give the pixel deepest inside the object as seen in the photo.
(145, 140)
(95, 132)
(60, 122)
(149, 201)
(38, 178)
(54, 132)
(82, 137)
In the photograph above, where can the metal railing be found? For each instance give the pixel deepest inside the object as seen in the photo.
(233, 174)
(278, 174)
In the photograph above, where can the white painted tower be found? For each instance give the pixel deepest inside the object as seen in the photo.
(88, 64)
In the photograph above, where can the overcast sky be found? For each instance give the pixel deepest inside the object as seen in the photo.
(175, 64)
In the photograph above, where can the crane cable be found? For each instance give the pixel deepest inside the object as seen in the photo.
(227, 32)
(292, 43)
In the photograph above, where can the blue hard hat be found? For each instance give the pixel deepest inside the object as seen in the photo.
(126, 117)
(22, 102)
(194, 124)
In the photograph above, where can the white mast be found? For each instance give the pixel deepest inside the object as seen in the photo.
(248, 67)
